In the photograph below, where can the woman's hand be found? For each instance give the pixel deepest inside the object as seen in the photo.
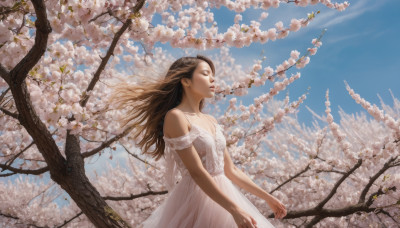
(277, 207)
(243, 219)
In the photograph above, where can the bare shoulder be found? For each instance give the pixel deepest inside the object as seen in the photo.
(175, 124)
(212, 118)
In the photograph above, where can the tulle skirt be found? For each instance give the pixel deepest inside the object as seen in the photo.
(188, 206)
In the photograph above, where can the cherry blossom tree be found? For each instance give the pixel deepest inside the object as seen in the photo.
(58, 60)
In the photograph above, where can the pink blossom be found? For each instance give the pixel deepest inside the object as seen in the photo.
(294, 54)
(268, 71)
(313, 2)
(263, 16)
(238, 18)
(229, 36)
(316, 43)
(279, 25)
(312, 50)
(275, 3)
(295, 25)
(272, 34)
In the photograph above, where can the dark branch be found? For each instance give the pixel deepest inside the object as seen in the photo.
(131, 197)
(3, 94)
(43, 28)
(314, 221)
(109, 12)
(338, 183)
(8, 216)
(378, 193)
(4, 11)
(22, 24)
(374, 178)
(9, 162)
(290, 179)
(389, 215)
(16, 218)
(24, 171)
(7, 174)
(8, 113)
(5, 74)
(320, 213)
(339, 212)
(68, 221)
(137, 157)
(106, 144)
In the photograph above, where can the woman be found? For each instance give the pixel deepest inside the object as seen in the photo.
(193, 144)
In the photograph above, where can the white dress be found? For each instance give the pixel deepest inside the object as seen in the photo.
(187, 205)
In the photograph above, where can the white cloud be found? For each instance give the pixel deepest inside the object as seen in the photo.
(353, 11)
(345, 37)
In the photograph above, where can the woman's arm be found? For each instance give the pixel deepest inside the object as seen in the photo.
(242, 180)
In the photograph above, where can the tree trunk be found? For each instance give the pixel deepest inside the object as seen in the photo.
(68, 172)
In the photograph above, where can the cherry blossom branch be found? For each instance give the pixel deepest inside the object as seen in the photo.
(22, 24)
(17, 155)
(106, 143)
(303, 59)
(374, 111)
(324, 213)
(281, 69)
(109, 12)
(291, 178)
(319, 208)
(43, 28)
(7, 174)
(330, 171)
(69, 220)
(8, 113)
(25, 171)
(339, 136)
(8, 216)
(320, 213)
(110, 51)
(137, 157)
(16, 218)
(4, 11)
(3, 94)
(5, 75)
(131, 196)
(390, 216)
(269, 124)
(338, 183)
(372, 179)
(379, 192)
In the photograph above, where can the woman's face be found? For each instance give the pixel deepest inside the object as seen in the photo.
(202, 80)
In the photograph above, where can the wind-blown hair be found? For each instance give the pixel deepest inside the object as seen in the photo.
(148, 103)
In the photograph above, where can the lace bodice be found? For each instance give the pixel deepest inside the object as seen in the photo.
(210, 150)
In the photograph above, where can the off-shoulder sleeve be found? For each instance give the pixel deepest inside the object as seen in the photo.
(184, 141)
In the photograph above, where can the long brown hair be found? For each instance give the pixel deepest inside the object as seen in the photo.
(149, 102)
